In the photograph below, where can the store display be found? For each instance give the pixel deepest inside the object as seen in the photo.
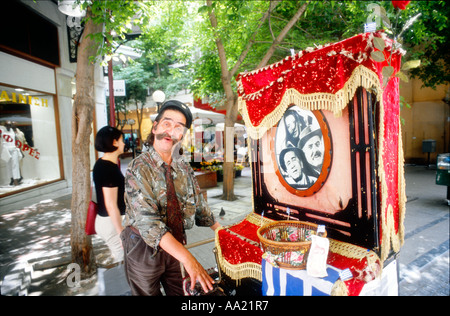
(28, 140)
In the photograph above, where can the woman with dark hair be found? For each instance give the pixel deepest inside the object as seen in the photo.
(294, 124)
(110, 189)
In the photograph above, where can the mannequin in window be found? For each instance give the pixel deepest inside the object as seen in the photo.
(11, 154)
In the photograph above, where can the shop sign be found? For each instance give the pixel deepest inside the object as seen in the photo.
(22, 98)
(119, 88)
(24, 148)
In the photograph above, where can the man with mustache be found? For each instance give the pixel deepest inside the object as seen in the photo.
(313, 149)
(292, 164)
(159, 210)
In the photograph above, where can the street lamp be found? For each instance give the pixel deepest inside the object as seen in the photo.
(122, 123)
(70, 8)
(159, 97)
(131, 123)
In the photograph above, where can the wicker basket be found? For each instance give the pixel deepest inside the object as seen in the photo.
(299, 243)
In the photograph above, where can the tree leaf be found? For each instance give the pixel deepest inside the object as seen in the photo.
(379, 43)
(402, 76)
(386, 21)
(377, 56)
(411, 64)
(387, 71)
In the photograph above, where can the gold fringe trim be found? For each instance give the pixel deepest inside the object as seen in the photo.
(356, 252)
(237, 271)
(242, 270)
(401, 190)
(339, 288)
(360, 77)
(353, 251)
(257, 219)
(391, 240)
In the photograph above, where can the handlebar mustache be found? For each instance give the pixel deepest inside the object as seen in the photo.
(164, 135)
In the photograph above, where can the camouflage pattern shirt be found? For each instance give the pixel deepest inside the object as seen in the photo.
(146, 199)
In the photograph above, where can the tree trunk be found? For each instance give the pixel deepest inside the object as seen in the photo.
(230, 118)
(82, 117)
(228, 166)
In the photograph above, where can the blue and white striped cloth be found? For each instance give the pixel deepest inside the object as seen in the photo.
(284, 282)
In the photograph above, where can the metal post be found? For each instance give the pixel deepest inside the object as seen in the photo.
(112, 106)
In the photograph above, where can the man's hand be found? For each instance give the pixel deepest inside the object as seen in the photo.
(192, 266)
(198, 274)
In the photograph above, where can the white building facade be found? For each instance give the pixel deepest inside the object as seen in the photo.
(37, 84)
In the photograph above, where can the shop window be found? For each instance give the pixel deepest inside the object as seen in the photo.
(29, 33)
(29, 154)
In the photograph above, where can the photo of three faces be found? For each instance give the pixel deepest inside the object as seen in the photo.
(299, 148)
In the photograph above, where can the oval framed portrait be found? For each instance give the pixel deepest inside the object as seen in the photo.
(302, 151)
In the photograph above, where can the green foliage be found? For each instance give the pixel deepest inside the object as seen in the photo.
(422, 30)
(161, 45)
(207, 73)
(179, 32)
(117, 18)
(237, 22)
(428, 38)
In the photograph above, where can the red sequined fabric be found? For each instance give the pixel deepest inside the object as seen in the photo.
(240, 243)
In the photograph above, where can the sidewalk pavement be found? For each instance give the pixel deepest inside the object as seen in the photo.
(35, 240)
(424, 257)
